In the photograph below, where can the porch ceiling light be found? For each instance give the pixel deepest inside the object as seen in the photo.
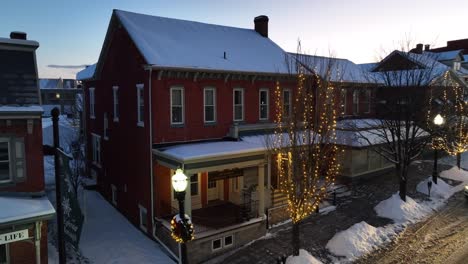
(438, 120)
(179, 181)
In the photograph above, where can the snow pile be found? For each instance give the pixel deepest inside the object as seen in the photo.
(400, 211)
(303, 258)
(359, 239)
(441, 190)
(455, 174)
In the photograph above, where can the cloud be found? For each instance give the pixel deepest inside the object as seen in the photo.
(67, 66)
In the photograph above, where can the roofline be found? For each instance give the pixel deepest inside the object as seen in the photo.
(28, 220)
(156, 67)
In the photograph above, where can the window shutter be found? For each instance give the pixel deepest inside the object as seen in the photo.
(20, 167)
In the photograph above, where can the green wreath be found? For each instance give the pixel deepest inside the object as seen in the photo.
(182, 229)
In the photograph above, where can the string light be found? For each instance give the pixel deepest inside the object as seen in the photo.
(305, 144)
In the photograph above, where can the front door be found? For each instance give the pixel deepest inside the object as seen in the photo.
(215, 190)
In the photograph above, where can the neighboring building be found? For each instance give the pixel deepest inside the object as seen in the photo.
(63, 94)
(25, 208)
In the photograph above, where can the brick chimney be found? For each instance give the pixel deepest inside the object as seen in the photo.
(427, 47)
(261, 25)
(418, 49)
(18, 35)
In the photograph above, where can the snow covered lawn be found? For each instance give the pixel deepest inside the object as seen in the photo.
(362, 238)
(303, 258)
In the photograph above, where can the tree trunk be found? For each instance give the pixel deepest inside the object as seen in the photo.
(295, 239)
(459, 160)
(403, 189)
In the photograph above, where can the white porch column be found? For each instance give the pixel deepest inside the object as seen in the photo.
(188, 199)
(261, 190)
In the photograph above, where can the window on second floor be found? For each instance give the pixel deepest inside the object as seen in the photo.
(263, 104)
(286, 103)
(177, 105)
(238, 102)
(106, 127)
(140, 104)
(209, 101)
(366, 101)
(91, 103)
(115, 92)
(12, 160)
(356, 102)
(96, 143)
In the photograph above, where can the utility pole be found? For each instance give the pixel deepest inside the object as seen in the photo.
(58, 190)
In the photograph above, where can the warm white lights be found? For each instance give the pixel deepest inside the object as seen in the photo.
(179, 181)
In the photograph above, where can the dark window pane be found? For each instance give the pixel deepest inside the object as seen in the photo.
(209, 97)
(238, 112)
(217, 244)
(237, 97)
(228, 240)
(263, 112)
(3, 257)
(4, 151)
(209, 113)
(176, 114)
(176, 97)
(194, 184)
(4, 171)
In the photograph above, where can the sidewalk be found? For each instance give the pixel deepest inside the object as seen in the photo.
(317, 230)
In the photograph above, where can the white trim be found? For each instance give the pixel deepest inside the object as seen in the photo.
(204, 104)
(115, 102)
(140, 89)
(221, 239)
(182, 101)
(114, 194)
(267, 104)
(224, 241)
(289, 102)
(241, 104)
(10, 161)
(92, 103)
(142, 209)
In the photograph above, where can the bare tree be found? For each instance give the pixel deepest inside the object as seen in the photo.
(404, 80)
(304, 138)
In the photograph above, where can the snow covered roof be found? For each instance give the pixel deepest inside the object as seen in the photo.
(19, 42)
(341, 69)
(56, 83)
(173, 43)
(446, 55)
(16, 209)
(86, 73)
(18, 110)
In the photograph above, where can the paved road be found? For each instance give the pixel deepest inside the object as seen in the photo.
(443, 238)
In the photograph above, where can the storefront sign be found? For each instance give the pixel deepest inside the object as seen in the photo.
(225, 174)
(14, 236)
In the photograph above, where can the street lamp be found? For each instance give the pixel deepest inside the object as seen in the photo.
(179, 183)
(438, 121)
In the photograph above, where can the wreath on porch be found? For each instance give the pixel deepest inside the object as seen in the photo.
(182, 229)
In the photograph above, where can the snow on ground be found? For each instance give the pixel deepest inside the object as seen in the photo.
(359, 239)
(396, 209)
(438, 191)
(105, 228)
(303, 258)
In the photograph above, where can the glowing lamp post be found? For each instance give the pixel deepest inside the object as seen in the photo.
(438, 121)
(179, 183)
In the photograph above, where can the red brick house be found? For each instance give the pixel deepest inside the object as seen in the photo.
(168, 94)
(25, 208)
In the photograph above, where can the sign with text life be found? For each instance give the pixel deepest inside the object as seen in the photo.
(14, 236)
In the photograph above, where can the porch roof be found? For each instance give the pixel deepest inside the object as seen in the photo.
(17, 210)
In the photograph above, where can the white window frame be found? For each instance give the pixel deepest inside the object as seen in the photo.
(221, 239)
(140, 89)
(205, 105)
(267, 91)
(197, 182)
(115, 93)
(92, 103)
(106, 127)
(114, 194)
(182, 101)
(242, 105)
(356, 102)
(16, 159)
(224, 241)
(287, 90)
(96, 144)
(142, 210)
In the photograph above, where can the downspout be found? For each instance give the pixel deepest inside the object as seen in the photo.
(151, 147)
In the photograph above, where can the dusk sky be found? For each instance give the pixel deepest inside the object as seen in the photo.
(72, 32)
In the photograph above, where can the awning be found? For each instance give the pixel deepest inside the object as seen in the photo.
(20, 210)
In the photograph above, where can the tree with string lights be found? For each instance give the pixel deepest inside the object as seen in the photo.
(304, 139)
(448, 100)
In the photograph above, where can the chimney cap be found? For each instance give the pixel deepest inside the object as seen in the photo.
(261, 18)
(18, 35)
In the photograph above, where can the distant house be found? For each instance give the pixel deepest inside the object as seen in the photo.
(62, 93)
(24, 207)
